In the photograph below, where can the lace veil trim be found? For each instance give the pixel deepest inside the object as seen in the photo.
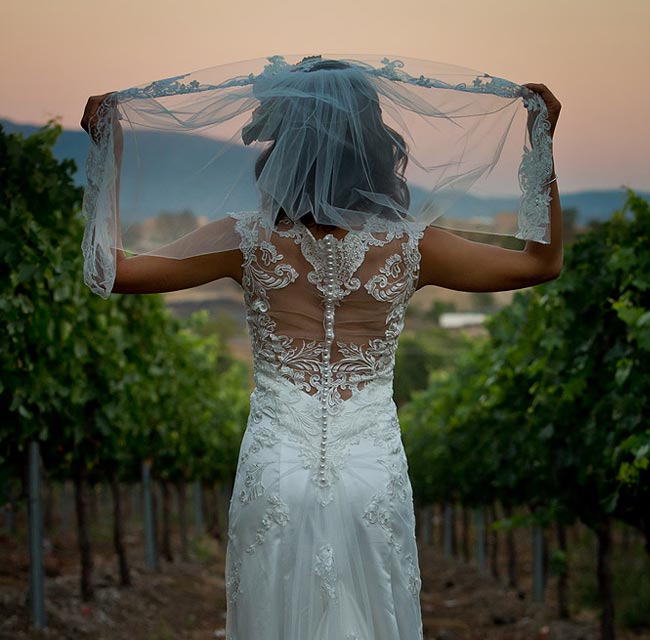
(320, 121)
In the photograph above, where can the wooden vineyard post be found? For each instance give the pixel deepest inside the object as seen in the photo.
(447, 542)
(563, 580)
(603, 530)
(36, 575)
(538, 563)
(199, 527)
(223, 499)
(511, 549)
(465, 533)
(67, 508)
(81, 490)
(8, 510)
(439, 521)
(166, 541)
(151, 556)
(427, 524)
(118, 531)
(181, 501)
(479, 521)
(494, 541)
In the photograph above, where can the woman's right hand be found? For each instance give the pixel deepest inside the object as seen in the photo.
(89, 118)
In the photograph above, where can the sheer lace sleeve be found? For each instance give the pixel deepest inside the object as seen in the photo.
(534, 174)
(101, 202)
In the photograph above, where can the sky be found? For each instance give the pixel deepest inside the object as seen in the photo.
(593, 54)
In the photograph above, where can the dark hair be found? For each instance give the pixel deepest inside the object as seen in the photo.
(386, 157)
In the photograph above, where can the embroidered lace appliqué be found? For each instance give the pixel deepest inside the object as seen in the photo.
(277, 513)
(325, 569)
(398, 482)
(413, 571)
(98, 203)
(534, 173)
(302, 362)
(485, 83)
(233, 582)
(378, 514)
(253, 487)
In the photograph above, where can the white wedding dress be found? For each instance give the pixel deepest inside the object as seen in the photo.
(321, 535)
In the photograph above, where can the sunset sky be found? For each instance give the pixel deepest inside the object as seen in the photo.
(593, 54)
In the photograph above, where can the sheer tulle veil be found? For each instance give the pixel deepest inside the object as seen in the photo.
(361, 142)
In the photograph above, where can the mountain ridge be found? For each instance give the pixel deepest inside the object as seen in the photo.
(590, 205)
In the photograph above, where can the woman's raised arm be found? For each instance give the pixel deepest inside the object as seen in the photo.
(155, 274)
(449, 261)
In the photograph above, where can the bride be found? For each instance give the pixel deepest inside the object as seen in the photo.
(321, 535)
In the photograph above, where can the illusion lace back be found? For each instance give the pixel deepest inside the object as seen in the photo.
(321, 535)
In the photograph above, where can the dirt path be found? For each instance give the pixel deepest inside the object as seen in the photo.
(461, 603)
(186, 601)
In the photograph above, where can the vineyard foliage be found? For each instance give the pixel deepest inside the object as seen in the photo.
(553, 410)
(101, 384)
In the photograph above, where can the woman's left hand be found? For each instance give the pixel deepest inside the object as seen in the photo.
(552, 103)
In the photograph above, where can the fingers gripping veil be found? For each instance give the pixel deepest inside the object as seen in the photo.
(361, 142)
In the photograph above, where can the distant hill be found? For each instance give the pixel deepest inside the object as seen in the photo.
(147, 200)
(198, 196)
(590, 205)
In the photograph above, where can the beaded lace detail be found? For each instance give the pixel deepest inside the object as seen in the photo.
(310, 364)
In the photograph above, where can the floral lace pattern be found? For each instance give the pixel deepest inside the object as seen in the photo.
(277, 513)
(325, 569)
(253, 487)
(302, 362)
(233, 582)
(393, 70)
(398, 486)
(377, 513)
(534, 174)
(415, 581)
(99, 202)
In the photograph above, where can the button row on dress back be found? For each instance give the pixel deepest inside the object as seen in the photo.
(327, 347)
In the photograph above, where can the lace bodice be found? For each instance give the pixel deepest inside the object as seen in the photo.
(326, 313)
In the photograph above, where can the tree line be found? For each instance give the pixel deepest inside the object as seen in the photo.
(551, 412)
(92, 389)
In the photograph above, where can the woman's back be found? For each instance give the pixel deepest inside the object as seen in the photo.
(326, 312)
